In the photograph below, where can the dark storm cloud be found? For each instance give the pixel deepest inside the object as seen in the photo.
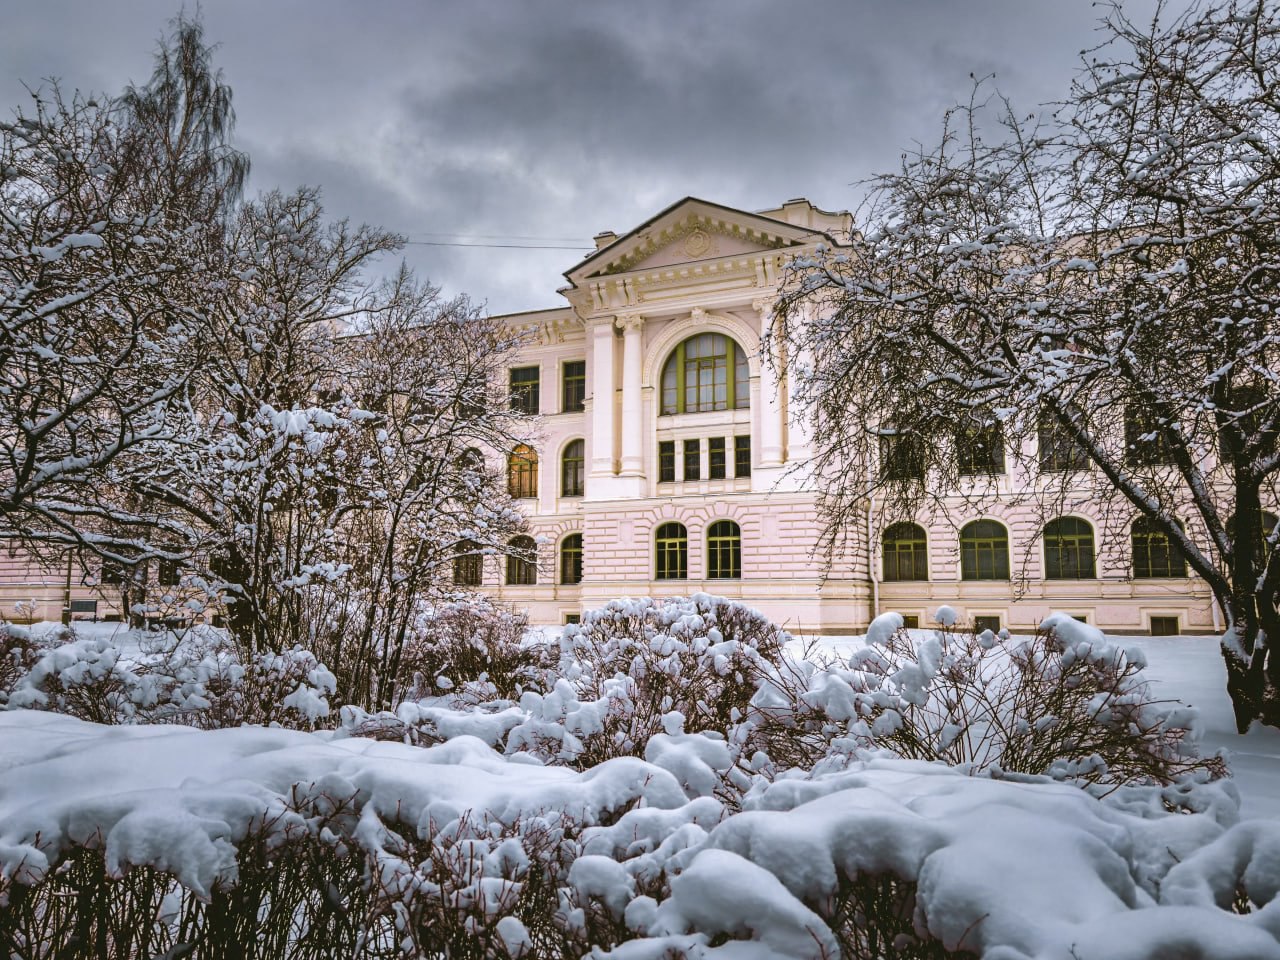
(559, 119)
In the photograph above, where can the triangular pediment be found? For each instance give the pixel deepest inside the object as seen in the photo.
(690, 231)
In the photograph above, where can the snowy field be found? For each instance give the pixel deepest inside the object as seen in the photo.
(666, 854)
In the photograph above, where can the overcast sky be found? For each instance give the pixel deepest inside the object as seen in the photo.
(478, 121)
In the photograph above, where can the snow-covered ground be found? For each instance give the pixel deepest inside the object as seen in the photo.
(1016, 868)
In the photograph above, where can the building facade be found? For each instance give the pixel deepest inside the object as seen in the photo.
(670, 460)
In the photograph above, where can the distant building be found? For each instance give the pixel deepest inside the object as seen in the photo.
(670, 461)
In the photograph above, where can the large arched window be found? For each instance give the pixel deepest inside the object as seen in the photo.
(1068, 549)
(571, 469)
(571, 559)
(706, 372)
(522, 562)
(522, 472)
(468, 564)
(984, 551)
(905, 549)
(672, 552)
(724, 551)
(1154, 554)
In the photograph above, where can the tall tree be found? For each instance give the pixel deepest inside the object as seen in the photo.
(1104, 287)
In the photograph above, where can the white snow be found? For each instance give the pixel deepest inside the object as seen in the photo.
(1010, 867)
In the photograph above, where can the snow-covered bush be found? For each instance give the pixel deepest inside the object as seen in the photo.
(473, 650)
(701, 657)
(257, 842)
(195, 678)
(1067, 702)
(18, 654)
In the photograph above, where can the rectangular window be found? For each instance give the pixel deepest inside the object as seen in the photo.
(523, 382)
(986, 623)
(573, 389)
(980, 452)
(570, 618)
(911, 622)
(742, 456)
(169, 574)
(1146, 441)
(715, 458)
(667, 461)
(901, 458)
(1164, 627)
(692, 460)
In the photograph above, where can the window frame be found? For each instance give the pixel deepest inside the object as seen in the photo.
(917, 556)
(1056, 450)
(666, 461)
(671, 551)
(468, 564)
(717, 461)
(692, 451)
(573, 399)
(980, 452)
(1069, 545)
(724, 550)
(522, 473)
(524, 395)
(974, 547)
(573, 468)
(522, 571)
(1141, 544)
(674, 386)
(742, 455)
(571, 555)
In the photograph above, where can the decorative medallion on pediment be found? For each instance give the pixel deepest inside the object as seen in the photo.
(697, 238)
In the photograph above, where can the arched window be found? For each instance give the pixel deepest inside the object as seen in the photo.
(471, 460)
(1154, 554)
(984, 551)
(522, 472)
(468, 564)
(1068, 549)
(905, 549)
(571, 559)
(672, 543)
(724, 551)
(706, 372)
(571, 470)
(522, 562)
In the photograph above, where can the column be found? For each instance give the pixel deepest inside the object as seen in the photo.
(771, 412)
(602, 388)
(632, 408)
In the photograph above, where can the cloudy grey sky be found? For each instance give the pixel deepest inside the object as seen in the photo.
(554, 119)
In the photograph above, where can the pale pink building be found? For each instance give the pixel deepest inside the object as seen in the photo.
(669, 460)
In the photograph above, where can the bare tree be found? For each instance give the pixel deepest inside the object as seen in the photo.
(110, 237)
(1100, 292)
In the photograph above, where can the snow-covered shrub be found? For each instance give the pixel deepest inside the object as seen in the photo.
(195, 678)
(18, 654)
(83, 677)
(473, 651)
(1067, 703)
(701, 657)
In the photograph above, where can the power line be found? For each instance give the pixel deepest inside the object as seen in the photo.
(496, 236)
(506, 246)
